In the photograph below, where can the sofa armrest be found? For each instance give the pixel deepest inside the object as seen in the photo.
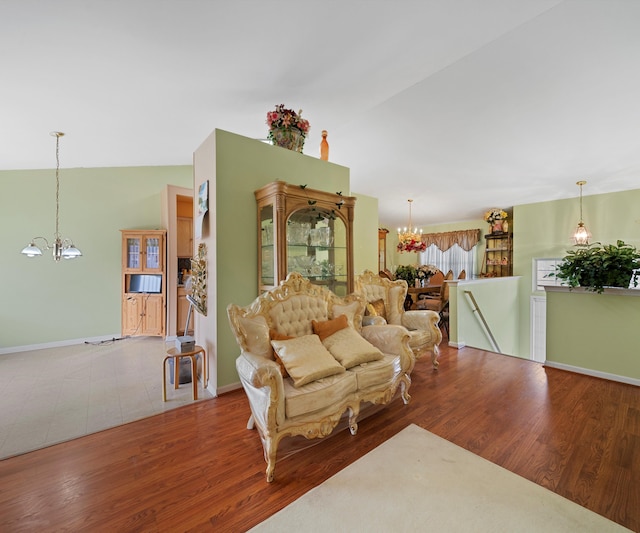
(264, 386)
(373, 321)
(425, 319)
(394, 340)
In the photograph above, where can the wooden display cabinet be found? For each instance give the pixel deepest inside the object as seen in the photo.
(307, 231)
(143, 282)
(382, 249)
(498, 255)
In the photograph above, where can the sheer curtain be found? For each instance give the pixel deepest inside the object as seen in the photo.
(455, 259)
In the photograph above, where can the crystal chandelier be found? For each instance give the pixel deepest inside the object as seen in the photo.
(581, 236)
(62, 248)
(409, 238)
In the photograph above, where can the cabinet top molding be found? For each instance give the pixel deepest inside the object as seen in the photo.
(302, 192)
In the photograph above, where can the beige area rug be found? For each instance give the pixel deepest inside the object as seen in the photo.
(417, 481)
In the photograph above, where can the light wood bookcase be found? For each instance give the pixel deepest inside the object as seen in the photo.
(143, 282)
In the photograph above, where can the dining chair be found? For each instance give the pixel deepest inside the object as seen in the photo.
(439, 303)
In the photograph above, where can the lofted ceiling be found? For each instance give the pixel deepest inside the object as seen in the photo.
(461, 105)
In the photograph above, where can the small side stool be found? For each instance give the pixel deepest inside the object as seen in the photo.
(176, 355)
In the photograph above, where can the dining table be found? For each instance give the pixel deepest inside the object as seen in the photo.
(413, 294)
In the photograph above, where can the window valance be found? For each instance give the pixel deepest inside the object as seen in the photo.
(466, 239)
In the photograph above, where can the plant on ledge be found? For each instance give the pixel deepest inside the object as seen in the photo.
(595, 267)
(287, 128)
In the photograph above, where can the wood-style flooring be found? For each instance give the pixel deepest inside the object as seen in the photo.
(198, 468)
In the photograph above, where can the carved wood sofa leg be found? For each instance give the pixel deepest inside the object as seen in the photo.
(435, 352)
(270, 449)
(353, 422)
(405, 383)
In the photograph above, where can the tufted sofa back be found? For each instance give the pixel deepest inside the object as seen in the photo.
(289, 310)
(293, 316)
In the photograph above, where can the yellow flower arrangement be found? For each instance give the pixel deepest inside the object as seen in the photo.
(495, 214)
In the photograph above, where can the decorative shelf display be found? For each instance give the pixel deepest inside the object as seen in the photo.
(307, 231)
(498, 255)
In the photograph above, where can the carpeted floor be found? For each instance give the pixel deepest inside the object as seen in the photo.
(56, 394)
(417, 481)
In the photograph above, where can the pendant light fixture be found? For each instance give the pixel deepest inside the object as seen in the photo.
(581, 236)
(62, 248)
(410, 239)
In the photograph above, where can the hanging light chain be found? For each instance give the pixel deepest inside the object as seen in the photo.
(57, 135)
(581, 183)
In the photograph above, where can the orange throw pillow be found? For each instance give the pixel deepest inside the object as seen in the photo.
(329, 327)
(275, 336)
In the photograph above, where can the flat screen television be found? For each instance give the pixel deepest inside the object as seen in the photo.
(145, 283)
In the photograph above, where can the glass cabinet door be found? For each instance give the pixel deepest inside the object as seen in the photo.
(266, 248)
(152, 253)
(317, 249)
(134, 252)
(144, 253)
(307, 231)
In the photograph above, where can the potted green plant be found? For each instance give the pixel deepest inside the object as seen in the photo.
(597, 266)
(409, 273)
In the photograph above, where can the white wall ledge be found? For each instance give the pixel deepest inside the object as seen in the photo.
(613, 291)
(470, 281)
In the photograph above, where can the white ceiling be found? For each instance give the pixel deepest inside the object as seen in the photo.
(461, 105)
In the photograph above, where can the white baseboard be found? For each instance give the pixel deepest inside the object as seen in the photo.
(56, 344)
(457, 345)
(229, 388)
(594, 373)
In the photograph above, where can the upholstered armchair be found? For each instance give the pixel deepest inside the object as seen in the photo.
(385, 300)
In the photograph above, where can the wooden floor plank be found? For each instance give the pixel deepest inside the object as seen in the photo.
(197, 468)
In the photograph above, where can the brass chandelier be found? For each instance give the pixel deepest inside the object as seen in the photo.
(410, 238)
(62, 248)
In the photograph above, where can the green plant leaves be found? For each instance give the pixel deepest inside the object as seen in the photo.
(595, 266)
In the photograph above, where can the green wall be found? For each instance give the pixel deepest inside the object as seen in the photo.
(45, 302)
(544, 229)
(243, 165)
(497, 300)
(594, 332)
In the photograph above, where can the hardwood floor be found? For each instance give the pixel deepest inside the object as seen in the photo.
(197, 468)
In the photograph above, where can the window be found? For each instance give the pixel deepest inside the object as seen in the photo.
(455, 259)
(544, 273)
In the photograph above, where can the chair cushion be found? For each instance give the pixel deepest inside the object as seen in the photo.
(350, 348)
(326, 328)
(306, 359)
(377, 308)
(430, 304)
(376, 373)
(319, 394)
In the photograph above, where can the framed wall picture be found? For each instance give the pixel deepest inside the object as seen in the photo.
(203, 207)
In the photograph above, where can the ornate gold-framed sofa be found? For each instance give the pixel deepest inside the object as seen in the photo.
(385, 298)
(367, 366)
